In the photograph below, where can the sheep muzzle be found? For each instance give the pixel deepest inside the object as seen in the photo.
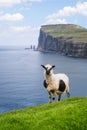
(47, 72)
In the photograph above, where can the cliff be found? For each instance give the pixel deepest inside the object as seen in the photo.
(67, 39)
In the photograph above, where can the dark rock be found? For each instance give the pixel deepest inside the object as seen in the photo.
(61, 44)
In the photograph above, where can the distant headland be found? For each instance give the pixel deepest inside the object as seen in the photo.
(67, 39)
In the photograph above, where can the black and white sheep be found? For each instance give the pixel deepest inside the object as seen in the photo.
(56, 84)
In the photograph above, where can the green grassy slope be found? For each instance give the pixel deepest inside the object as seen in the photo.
(78, 33)
(69, 114)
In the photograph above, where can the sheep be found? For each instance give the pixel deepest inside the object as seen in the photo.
(56, 84)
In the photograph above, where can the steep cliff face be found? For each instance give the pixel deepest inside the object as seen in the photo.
(73, 44)
(47, 42)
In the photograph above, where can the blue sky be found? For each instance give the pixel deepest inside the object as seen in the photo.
(20, 20)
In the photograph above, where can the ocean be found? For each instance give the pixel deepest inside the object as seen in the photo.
(21, 77)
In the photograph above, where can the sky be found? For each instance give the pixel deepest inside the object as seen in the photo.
(21, 20)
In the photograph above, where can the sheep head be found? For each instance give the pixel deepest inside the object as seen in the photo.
(48, 69)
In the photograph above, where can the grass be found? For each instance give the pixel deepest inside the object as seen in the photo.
(69, 114)
(78, 33)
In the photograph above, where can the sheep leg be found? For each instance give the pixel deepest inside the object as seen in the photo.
(50, 97)
(68, 94)
(59, 97)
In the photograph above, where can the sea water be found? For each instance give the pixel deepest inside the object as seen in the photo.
(21, 77)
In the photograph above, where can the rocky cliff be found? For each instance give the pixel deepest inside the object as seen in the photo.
(67, 39)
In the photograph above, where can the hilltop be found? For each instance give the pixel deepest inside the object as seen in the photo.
(68, 114)
(68, 39)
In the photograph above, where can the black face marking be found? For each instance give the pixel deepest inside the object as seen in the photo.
(48, 70)
(45, 84)
(62, 86)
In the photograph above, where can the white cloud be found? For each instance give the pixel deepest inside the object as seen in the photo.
(19, 35)
(19, 29)
(11, 17)
(66, 11)
(56, 21)
(8, 3)
(80, 8)
(1, 12)
(23, 29)
(32, 0)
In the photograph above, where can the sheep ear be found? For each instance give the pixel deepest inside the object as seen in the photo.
(43, 67)
(53, 66)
